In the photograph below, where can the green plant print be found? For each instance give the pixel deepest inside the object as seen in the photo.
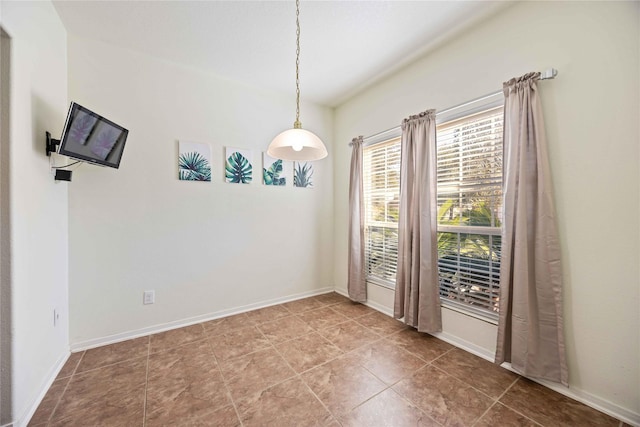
(272, 175)
(238, 170)
(302, 175)
(194, 167)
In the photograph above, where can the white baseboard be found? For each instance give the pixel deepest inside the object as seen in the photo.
(154, 329)
(574, 393)
(581, 396)
(25, 417)
(595, 402)
(379, 307)
(588, 399)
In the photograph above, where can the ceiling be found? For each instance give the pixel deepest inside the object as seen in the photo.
(345, 45)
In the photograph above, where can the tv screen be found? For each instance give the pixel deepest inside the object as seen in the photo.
(89, 137)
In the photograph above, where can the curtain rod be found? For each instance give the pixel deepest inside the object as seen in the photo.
(547, 74)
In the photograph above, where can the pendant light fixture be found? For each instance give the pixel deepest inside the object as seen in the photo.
(297, 143)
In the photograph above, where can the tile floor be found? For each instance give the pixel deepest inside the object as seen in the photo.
(320, 361)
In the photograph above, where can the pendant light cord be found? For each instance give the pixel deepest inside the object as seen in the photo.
(297, 124)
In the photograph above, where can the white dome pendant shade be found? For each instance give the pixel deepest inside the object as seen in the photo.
(297, 143)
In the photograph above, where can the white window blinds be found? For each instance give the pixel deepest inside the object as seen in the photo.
(381, 170)
(469, 173)
(470, 209)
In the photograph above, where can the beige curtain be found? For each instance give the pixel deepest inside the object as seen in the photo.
(417, 296)
(356, 282)
(530, 328)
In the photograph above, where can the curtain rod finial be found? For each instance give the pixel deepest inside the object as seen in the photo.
(549, 73)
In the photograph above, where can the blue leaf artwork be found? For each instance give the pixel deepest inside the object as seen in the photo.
(302, 175)
(273, 172)
(194, 162)
(238, 166)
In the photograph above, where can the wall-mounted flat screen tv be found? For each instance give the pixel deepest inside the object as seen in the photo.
(89, 137)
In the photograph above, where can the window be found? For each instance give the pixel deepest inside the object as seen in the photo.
(381, 186)
(470, 209)
(469, 174)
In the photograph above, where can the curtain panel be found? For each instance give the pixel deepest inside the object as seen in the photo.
(417, 297)
(530, 328)
(356, 282)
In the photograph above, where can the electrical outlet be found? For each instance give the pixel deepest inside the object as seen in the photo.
(56, 317)
(149, 297)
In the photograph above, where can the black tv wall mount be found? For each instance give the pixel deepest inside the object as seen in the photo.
(51, 144)
(51, 147)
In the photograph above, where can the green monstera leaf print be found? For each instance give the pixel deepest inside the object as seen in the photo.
(302, 175)
(194, 167)
(238, 169)
(272, 175)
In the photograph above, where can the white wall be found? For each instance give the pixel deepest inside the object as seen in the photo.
(205, 248)
(591, 113)
(38, 205)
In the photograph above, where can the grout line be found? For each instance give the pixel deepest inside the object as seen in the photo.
(469, 385)
(411, 402)
(333, 306)
(494, 403)
(117, 362)
(146, 385)
(149, 352)
(495, 400)
(64, 390)
(224, 381)
(319, 400)
(299, 375)
(507, 389)
(514, 409)
(442, 355)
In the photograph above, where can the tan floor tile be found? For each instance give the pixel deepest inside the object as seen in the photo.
(322, 318)
(284, 329)
(387, 409)
(302, 305)
(500, 415)
(247, 375)
(446, 399)
(352, 310)
(176, 337)
(387, 361)
(318, 361)
(349, 335)
(113, 395)
(422, 345)
(286, 404)
(227, 324)
(114, 353)
(308, 351)
(331, 298)
(184, 385)
(49, 402)
(70, 365)
(225, 417)
(479, 373)
(547, 407)
(342, 385)
(381, 324)
(238, 343)
(268, 314)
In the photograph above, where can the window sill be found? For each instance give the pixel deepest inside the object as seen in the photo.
(450, 305)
